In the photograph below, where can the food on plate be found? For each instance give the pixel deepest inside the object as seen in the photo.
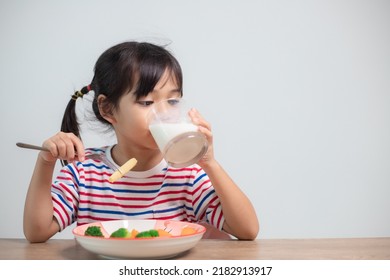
(94, 231)
(121, 233)
(147, 234)
(163, 233)
(135, 234)
(187, 231)
(124, 233)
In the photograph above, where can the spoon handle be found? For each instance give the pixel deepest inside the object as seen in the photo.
(32, 147)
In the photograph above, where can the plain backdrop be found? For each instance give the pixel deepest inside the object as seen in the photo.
(297, 92)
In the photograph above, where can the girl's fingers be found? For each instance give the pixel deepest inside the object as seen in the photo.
(61, 147)
(78, 145)
(68, 149)
(65, 146)
(197, 119)
(51, 146)
(206, 132)
(203, 126)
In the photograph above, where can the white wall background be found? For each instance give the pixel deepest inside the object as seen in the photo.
(297, 92)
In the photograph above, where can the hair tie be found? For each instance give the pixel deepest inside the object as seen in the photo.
(81, 92)
(77, 94)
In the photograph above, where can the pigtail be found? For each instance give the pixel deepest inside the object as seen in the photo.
(69, 120)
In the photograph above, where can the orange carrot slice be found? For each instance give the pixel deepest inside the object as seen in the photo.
(163, 233)
(187, 231)
(133, 233)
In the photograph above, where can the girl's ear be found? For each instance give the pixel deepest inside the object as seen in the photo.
(105, 109)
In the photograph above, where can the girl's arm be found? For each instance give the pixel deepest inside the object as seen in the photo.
(240, 216)
(39, 223)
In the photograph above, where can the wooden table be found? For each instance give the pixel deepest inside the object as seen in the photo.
(207, 249)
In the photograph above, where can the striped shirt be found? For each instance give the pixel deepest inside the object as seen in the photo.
(82, 193)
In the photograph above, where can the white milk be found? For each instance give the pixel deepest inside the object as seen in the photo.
(180, 143)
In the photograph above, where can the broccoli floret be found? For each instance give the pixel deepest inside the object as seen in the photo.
(148, 233)
(93, 231)
(120, 233)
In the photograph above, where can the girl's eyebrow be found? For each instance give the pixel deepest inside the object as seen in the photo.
(175, 90)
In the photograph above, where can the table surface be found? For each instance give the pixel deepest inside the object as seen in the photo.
(269, 249)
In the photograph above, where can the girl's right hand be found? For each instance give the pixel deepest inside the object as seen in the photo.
(64, 146)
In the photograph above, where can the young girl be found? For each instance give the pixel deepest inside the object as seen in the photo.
(129, 78)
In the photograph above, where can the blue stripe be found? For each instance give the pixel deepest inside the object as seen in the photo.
(96, 149)
(169, 209)
(115, 212)
(134, 191)
(101, 166)
(119, 191)
(70, 167)
(207, 217)
(60, 183)
(133, 214)
(198, 179)
(176, 185)
(202, 201)
(63, 201)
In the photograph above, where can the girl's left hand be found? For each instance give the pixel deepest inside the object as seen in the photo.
(205, 128)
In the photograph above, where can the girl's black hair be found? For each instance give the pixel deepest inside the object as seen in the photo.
(127, 67)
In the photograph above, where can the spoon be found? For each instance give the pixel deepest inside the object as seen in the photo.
(90, 156)
(119, 172)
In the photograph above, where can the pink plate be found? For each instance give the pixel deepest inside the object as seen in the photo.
(140, 248)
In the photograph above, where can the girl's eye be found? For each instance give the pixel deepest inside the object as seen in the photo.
(173, 101)
(145, 103)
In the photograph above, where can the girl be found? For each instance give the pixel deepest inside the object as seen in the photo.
(128, 79)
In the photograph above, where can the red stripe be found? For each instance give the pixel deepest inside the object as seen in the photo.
(137, 184)
(172, 217)
(201, 185)
(219, 220)
(67, 179)
(60, 216)
(199, 196)
(134, 198)
(211, 205)
(66, 171)
(183, 169)
(134, 206)
(119, 182)
(68, 191)
(180, 177)
(60, 205)
(203, 214)
(96, 173)
(157, 176)
(91, 218)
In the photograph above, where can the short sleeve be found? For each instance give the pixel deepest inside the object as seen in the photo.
(206, 203)
(65, 197)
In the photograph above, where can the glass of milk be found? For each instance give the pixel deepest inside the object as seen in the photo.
(176, 136)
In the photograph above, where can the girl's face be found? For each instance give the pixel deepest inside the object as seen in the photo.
(130, 118)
